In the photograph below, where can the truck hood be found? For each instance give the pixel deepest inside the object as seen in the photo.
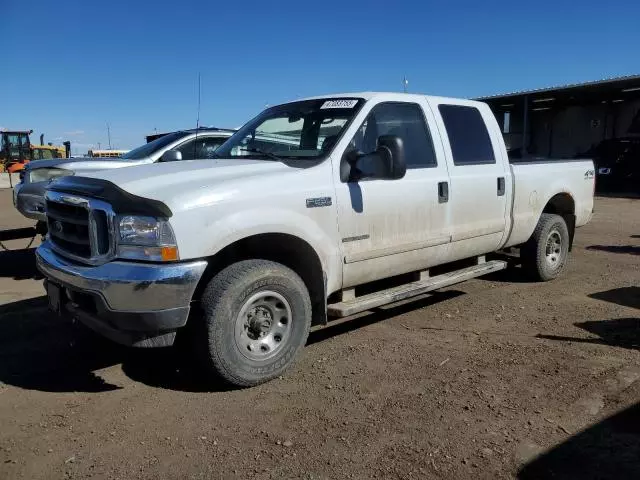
(189, 183)
(86, 164)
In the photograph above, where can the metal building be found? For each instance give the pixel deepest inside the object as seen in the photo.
(568, 120)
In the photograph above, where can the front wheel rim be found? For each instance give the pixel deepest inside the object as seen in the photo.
(553, 249)
(263, 325)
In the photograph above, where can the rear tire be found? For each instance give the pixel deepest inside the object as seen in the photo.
(257, 316)
(544, 256)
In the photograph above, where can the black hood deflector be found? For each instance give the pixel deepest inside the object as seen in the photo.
(121, 201)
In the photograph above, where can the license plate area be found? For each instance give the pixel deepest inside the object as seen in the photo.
(55, 294)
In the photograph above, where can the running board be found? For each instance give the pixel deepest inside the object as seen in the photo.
(408, 290)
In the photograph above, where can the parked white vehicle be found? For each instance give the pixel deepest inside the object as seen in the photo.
(28, 195)
(259, 246)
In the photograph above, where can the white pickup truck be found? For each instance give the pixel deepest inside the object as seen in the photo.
(252, 248)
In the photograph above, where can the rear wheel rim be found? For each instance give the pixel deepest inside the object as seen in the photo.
(553, 249)
(263, 325)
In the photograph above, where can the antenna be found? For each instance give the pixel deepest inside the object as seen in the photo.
(405, 82)
(198, 118)
(195, 141)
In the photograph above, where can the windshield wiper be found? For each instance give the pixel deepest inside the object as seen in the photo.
(262, 152)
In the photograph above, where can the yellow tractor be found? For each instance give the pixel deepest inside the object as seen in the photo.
(46, 152)
(15, 150)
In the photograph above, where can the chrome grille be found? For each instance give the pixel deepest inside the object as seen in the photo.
(69, 228)
(80, 228)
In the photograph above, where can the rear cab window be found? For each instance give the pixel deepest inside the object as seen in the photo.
(468, 135)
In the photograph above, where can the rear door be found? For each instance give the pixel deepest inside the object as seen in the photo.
(480, 178)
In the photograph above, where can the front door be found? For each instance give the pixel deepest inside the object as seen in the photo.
(389, 227)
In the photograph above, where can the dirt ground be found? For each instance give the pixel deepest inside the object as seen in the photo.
(493, 378)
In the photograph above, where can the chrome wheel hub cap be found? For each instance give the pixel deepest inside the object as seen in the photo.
(553, 250)
(263, 325)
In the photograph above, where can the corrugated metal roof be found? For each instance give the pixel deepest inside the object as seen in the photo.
(594, 83)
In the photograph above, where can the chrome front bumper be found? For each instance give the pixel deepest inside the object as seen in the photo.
(139, 304)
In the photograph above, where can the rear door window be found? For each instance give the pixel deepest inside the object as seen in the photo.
(201, 147)
(468, 135)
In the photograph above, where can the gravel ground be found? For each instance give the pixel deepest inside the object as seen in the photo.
(493, 378)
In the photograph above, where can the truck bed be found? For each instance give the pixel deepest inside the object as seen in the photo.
(536, 180)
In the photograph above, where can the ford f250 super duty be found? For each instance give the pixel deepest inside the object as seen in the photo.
(370, 200)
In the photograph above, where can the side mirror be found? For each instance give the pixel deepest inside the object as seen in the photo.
(171, 156)
(391, 149)
(386, 163)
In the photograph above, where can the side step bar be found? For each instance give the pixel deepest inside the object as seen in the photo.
(402, 292)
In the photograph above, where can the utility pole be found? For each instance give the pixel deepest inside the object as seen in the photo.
(98, 145)
(109, 135)
(405, 82)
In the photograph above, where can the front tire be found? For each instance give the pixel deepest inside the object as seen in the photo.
(544, 256)
(257, 316)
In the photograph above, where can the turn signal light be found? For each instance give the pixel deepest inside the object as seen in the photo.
(169, 253)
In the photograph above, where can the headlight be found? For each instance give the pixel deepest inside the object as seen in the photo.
(146, 238)
(46, 174)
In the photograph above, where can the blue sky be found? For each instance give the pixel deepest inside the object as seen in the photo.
(70, 67)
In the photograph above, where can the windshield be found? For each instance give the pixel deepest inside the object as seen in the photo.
(151, 147)
(303, 130)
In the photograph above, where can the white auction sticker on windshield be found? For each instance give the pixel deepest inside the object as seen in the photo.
(346, 103)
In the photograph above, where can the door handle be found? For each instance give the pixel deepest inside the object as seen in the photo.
(501, 186)
(443, 192)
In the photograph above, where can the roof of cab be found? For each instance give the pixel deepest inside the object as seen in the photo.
(392, 96)
(209, 130)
